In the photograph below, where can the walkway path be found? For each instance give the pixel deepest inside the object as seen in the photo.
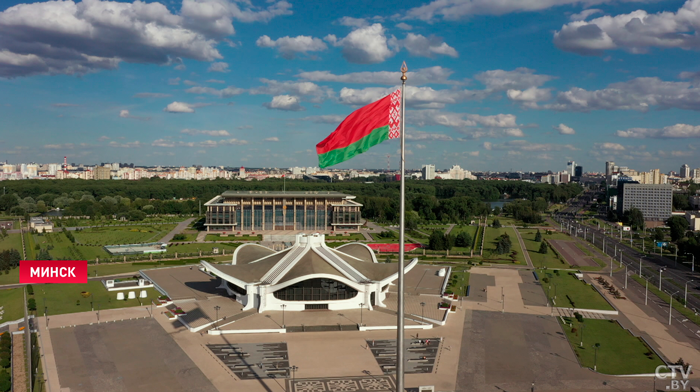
(179, 228)
(201, 236)
(449, 229)
(522, 246)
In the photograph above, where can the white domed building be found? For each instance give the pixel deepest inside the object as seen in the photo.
(308, 275)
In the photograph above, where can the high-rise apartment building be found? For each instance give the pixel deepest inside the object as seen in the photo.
(571, 168)
(428, 172)
(103, 173)
(685, 171)
(579, 171)
(654, 200)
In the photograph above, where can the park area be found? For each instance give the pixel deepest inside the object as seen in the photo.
(74, 298)
(11, 241)
(12, 302)
(619, 353)
(490, 246)
(542, 260)
(571, 292)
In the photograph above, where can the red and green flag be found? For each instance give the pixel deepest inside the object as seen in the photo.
(362, 129)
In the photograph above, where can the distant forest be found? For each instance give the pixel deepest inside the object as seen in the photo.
(445, 200)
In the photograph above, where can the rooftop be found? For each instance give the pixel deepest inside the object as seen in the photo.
(278, 193)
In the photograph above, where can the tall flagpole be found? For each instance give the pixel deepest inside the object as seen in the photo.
(402, 221)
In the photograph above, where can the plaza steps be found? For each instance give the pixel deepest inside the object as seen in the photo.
(567, 312)
(394, 313)
(224, 321)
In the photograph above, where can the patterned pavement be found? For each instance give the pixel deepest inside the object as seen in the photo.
(367, 383)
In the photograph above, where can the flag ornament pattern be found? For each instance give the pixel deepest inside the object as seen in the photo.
(361, 130)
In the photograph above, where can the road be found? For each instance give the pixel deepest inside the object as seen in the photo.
(15, 231)
(651, 264)
(522, 246)
(179, 228)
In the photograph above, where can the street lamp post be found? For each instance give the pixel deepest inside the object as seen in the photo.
(693, 265)
(362, 305)
(670, 307)
(620, 258)
(685, 298)
(595, 358)
(283, 324)
(422, 307)
(660, 271)
(582, 327)
(646, 292)
(217, 307)
(640, 265)
(625, 276)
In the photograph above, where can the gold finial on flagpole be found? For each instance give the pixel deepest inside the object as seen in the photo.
(404, 69)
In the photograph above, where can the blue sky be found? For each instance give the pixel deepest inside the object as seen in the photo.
(492, 85)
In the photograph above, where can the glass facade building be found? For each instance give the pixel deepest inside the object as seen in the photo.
(299, 211)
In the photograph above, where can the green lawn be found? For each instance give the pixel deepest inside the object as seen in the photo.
(10, 278)
(189, 237)
(109, 221)
(456, 231)
(540, 260)
(430, 228)
(458, 281)
(231, 237)
(568, 288)
(204, 247)
(490, 254)
(11, 241)
(12, 302)
(620, 352)
(67, 298)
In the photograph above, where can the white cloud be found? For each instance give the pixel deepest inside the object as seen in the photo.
(404, 26)
(103, 138)
(229, 91)
(565, 130)
(135, 144)
(218, 67)
(473, 153)
(419, 45)
(366, 45)
(635, 32)
(174, 81)
(431, 75)
(306, 90)
(517, 79)
(678, 131)
(636, 94)
(609, 146)
(271, 139)
(420, 135)
(215, 81)
(230, 142)
(353, 22)
(525, 146)
(203, 144)
(288, 47)
(325, 119)
(67, 37)
(64, 105)
(151, 95)
(64, 146)
(204, 132)
(529, 98)
(284, 102)
(180, 67)
(419, 97)
(190, 83)
(125, 114)
(179, 107)
(583, 15)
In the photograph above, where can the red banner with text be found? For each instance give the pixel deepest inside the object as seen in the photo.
(53, 271)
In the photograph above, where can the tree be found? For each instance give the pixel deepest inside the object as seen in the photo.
(678, 225)
(463, 240)
(8, 201)
(496, 223)
(31, 304)
(543, 248)
(436, 240)
(634, 218)
(538, 236)
(503, 244)
(497, 210)
(658, 234)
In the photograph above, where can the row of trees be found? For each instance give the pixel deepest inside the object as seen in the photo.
(9, 259)
(440, 241)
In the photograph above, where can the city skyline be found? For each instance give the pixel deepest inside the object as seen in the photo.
(490, 85)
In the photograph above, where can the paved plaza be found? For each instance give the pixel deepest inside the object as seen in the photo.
(128, 356)
(420, 354)
(186, 282)
(254, 361)
(573, 255)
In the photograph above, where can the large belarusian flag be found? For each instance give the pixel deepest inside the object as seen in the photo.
(362, 129)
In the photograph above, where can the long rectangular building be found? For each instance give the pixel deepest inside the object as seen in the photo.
(654, 200)
(298, 211)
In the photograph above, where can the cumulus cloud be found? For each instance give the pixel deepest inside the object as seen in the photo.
(232, 142)
(271, 139)
(459, 9)
(64, 146)
(419, 45)
(473, 126)
(517, 79)
(227, 92)
(151, 95)
(525, 146)
(583, 15)
(125, 114)
(306, 90)
(530, 97)
(366, 45)
(636, 94)
(180, 107)
(432, 75)
(609, 146)
(284, 102)
(135, 144)
(635, 32)
(417, 97)
(166, 143)
(218, 67)
(425, 136)
(564, 130)
(678, 131)
(69, 37)
(353, 22)
(288, 47)
(404, 26)
(325, 119)
(64, 105)
(215, 81)
(205, 132)
(174, 81)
